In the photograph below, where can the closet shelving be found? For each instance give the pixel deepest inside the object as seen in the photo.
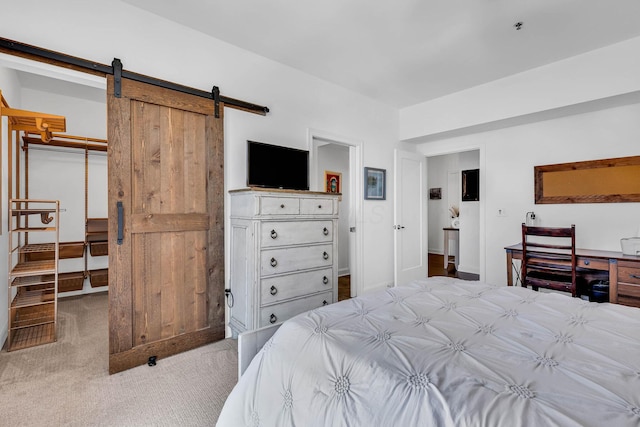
(95, 242)
(33, 283)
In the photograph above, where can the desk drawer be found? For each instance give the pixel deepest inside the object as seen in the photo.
(629, 272)
(593, 263)
(629, 294)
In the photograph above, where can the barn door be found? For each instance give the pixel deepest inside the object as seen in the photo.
(166, 242)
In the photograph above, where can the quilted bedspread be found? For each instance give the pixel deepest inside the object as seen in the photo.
(445, 352)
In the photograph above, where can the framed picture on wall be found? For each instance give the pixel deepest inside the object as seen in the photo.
(332, 182)
(471, 185)
(375, 185)
(435, 193)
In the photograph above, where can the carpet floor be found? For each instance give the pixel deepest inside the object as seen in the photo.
(67, 383)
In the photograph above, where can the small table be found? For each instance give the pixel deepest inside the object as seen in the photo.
(451, 233)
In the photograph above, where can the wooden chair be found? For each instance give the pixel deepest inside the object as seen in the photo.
(549, 258)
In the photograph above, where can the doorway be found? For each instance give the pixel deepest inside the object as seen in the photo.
(445, 201)
(48, 171)
(332, 153)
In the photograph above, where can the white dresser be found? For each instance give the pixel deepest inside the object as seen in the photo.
(284, 255)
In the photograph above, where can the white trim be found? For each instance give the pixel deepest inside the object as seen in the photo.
(314, 137)
(52, 71)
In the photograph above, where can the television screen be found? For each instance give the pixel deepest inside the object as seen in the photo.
(273, 166)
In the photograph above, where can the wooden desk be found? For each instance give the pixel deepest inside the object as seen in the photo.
(451, 233)
(623, 271)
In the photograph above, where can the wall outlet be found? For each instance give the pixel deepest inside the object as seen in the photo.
(501, 212)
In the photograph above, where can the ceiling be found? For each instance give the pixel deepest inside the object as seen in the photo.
(404, 52)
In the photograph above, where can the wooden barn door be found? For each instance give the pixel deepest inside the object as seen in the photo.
(166, 259)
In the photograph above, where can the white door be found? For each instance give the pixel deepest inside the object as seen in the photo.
(410, 217)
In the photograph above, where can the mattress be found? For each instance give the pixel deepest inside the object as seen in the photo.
(445, 352)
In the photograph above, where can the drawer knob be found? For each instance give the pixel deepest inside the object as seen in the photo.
(273, 262)
(273, 290)
(587, 262)
(325, 302)
(634, 276)
(324, 255)
(319, 206)
(325, 280)
(282, 206)
(273, 318)
(274, 235)
(325, 231)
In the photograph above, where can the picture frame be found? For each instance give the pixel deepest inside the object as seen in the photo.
(375, 184)
(332, 182)
(435, 193)
(593, 181)
(471, 185)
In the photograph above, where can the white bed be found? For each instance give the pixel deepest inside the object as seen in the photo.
(444, 352)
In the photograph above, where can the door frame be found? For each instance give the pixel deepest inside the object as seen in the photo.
(434, 149)
(314, 137)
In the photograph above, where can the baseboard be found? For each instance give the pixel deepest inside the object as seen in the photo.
(344, 272)
(436, 251)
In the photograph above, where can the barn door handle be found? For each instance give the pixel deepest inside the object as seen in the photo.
(120, 222)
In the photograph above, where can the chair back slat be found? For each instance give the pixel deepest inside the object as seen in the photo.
(549, 258)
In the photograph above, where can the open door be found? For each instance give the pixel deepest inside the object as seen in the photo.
(410, 217)
(166, 214)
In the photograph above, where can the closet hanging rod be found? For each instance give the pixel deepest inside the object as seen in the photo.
(56, 58)
(79, 138)
(75, 151)
(66, 144)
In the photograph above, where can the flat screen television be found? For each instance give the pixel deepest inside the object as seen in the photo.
(274, 166)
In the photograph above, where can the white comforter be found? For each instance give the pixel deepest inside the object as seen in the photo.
(443, 352)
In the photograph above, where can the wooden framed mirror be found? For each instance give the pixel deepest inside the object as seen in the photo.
(597, 181)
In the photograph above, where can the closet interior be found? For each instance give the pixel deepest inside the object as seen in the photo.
(57, 225)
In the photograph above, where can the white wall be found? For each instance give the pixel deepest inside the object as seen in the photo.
(335, 158)
(148, 44)
(10, 87)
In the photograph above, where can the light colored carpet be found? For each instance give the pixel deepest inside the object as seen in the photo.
(67, 382)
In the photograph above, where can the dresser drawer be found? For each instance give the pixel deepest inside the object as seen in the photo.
(629, 272)
(316, 206)
(275, 289)
(295, 233)
(277, 261)
(279, 206)
(286, 310)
